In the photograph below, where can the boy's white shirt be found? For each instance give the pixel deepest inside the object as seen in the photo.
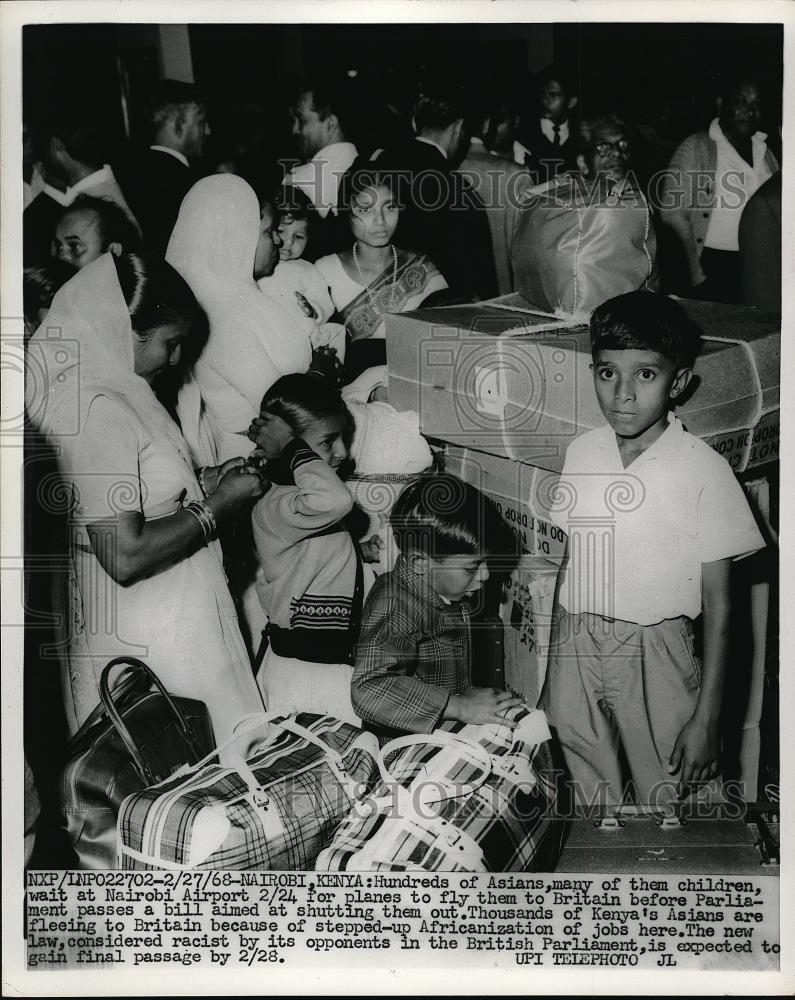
(639, 536)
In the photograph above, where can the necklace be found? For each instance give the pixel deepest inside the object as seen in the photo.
(367, 287)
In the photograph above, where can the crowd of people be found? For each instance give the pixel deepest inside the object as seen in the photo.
(230, 373)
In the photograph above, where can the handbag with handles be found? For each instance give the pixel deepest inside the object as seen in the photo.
(467, 798)
(272, 810)
(136, 736)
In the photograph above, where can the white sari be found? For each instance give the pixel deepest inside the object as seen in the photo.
(119, 451)
(253, 340)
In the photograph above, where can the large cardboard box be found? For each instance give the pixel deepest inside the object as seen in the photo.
(507, 379)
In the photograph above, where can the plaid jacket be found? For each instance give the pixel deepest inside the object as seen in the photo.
(414, 651)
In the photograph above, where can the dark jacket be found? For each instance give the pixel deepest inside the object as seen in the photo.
(443, 217)
(155, 184)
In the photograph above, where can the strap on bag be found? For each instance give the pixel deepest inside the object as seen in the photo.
(456, 844)
(257, 796)
(141, 765)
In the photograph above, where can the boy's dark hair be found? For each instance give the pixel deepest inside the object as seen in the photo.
(114, 224)
(171, 96)
(303, 398)
(560, 74)
(290, 204)
(441, 515)
(645, 321)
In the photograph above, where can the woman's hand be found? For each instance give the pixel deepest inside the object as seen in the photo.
(238, 487)
(270, 434)
(213, 474)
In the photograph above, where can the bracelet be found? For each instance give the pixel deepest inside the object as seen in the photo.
(200, 476)
(204, 516)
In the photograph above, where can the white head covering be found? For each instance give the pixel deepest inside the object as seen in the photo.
(84, 349)
(253, 341)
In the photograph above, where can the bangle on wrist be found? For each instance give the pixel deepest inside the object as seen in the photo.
(200, 476)
(205, 517)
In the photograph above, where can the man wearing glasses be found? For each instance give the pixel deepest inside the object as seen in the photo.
(587, 235)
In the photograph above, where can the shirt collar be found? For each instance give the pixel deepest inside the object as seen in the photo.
(430, 142)
(417, 584)
(548, 128)
(172, 152)
(90, 181)
(717, 134)
(319, 178)
(669, 441)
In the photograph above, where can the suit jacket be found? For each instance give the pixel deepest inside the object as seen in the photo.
(443, 217)
(155, 184)
(499, 184)
(546, 158)
(760, 247)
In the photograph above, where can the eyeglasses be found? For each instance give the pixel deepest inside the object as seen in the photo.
(603, 147)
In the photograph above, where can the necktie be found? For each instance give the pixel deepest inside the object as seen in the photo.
(556, 135)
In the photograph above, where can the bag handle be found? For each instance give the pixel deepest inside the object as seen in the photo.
(141, 765)
(472, 753)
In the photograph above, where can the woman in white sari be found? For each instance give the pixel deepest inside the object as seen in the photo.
(144, 576)
(253, 340)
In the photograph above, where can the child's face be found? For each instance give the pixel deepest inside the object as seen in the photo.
(326, 438)
(457, 577)
(634, 389)
(554, 102)
(294, 237)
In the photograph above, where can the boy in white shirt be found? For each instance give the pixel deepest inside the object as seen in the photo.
(654, 519)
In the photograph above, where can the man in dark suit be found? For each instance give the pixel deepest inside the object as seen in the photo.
(760, 247)
(161, 176)
(442, 214)
(549, 133)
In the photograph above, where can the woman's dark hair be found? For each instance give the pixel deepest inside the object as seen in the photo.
(303, 398)
(441, 515)
(114, 225)
(646, 321)
(155, 293)
(363, 175)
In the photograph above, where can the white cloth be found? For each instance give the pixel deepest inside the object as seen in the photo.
(735, 182)
(387, 441)
(253, 340)
(119, 451)
(548, 128)
(303, 278)
(320, 177)
(172, 152)
(639, 536)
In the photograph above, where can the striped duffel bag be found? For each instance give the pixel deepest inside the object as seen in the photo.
(463, 798)
(276, 809)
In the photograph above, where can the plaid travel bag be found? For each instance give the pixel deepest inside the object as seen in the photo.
(464, 798)
(274, 810)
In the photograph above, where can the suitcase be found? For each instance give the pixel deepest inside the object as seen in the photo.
(274, 810)
(137, 735)
(463, 798)
(699, 839)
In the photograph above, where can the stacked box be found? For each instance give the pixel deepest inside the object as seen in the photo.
(509, 380)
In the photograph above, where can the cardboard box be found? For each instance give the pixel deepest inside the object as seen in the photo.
(507, 379)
